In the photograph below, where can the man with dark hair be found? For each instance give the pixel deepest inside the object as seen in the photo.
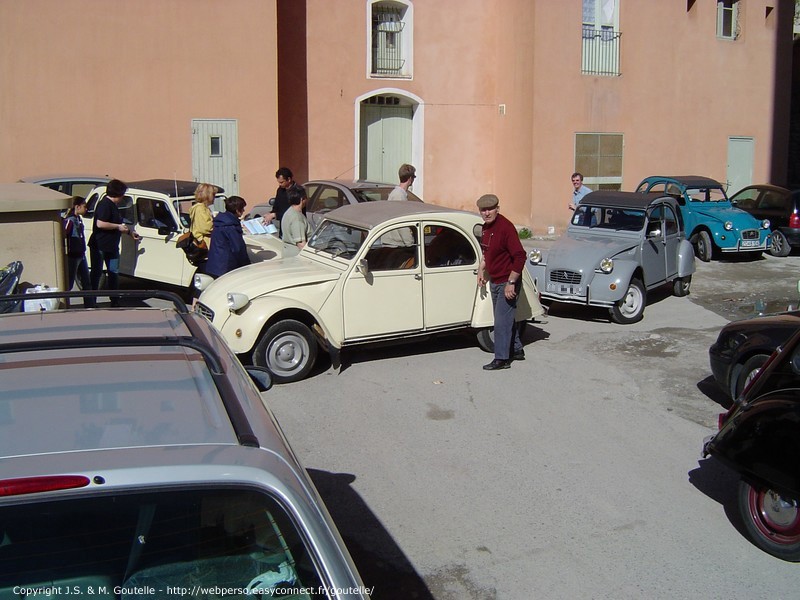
(578, 190)
(502, 261)
(407, 174)
(107, 230)
(294, 225)
(281, 204)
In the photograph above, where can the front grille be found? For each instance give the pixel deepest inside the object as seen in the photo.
(563, 276)
(750, 234)
(205, 311)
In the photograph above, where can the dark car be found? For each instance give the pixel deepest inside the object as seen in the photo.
(742, 347)
(780, 206)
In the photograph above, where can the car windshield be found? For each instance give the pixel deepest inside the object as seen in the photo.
(707, 194)
(381, 193)
(234, 539)
(337, 239)
(601, 217)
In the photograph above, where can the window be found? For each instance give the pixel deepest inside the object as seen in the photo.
(601, 38)
(234, 539)
(390, 28)
(154, 214)
(446, 247)
(598, 157)
(728, 19)
(396, 249)
(215, 146)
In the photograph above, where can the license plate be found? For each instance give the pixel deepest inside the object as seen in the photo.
(561, 288)
(750, 243)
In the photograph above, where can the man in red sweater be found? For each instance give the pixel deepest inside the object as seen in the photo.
(503, 260)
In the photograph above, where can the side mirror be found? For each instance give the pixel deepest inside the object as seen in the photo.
(653, 232)
(362, 266)
(260, 376)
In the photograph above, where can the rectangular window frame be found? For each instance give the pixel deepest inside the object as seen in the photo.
(597, 177)
(389, 39)
(728, 19)
(600, 38)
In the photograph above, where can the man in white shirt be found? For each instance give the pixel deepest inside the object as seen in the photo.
(407, 175)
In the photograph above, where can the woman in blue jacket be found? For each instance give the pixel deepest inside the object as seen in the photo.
(228, 250)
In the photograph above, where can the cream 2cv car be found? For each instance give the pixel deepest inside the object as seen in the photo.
(370, 272)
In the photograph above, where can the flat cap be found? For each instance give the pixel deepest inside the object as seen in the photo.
(488, 201)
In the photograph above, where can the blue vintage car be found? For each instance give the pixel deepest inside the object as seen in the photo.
(711, 222)
(617, 246)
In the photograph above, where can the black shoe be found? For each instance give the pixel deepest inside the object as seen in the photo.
(519, 355)
(497, 364)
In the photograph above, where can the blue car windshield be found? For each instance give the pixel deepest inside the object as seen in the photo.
(616, 219)
(707, 195)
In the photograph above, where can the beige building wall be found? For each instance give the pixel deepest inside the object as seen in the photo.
(111, 87)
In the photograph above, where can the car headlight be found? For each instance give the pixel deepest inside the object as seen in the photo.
(607, 265)
(202, 281)
(535, 256)
(765, 224)
(728, 226)
(237, 301)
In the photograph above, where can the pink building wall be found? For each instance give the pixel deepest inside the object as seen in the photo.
(111, 87)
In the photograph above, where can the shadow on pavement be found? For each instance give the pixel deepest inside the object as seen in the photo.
(719, 483)
(379, 559)
(710, 388)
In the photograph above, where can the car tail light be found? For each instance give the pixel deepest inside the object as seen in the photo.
(35, 485)
(794, 221)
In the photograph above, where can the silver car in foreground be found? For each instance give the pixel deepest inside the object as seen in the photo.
(140, 462)
(618, 246)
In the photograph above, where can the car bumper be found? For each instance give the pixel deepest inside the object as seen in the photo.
(740, 247)
(792, 235)
(720, 366)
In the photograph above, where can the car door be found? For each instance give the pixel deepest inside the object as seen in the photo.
(154, 256)
(385, 298)
(654, 248)
(773, 205)
(672, 232)
(449, 286)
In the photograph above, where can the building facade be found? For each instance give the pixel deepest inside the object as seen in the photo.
(507, 96)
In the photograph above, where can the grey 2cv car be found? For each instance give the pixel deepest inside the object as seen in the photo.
(139, 461)
(617, 246)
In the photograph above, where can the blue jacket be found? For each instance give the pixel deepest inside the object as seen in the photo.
(228, 250)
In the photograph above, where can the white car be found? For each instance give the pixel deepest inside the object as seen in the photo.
(371, 272)
(159, 211)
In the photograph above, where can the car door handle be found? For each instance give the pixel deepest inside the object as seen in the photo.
(418, 276)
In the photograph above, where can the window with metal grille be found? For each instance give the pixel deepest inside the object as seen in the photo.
(598, 157)
(728, 19)
(600, 38)
(390, 40)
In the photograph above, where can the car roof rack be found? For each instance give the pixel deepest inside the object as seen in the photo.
(241, 426)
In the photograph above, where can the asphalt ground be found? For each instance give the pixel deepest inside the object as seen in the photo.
(574, 474)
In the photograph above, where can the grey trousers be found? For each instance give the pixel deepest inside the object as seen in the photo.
(506, 331)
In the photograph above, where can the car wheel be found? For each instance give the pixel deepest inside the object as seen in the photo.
(630, 308)
(703, 247)
(486, 336)
(746, 373)
(288, 349)
(772, 521)
(780, 245)
(681, 285)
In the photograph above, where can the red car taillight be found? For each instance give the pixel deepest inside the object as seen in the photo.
(34, 485)
(794, 221)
